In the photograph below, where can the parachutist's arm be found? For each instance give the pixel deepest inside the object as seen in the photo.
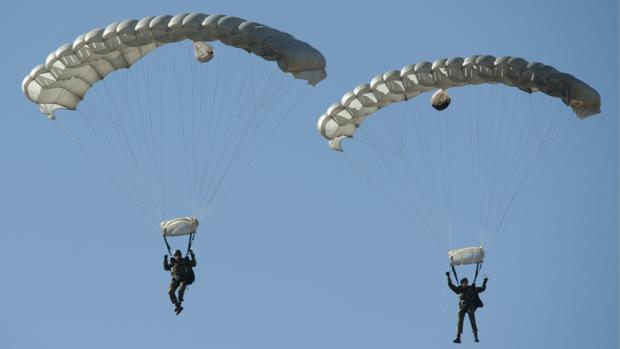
(166, 264)
(484, 286)
(193, 259)
(452, 287)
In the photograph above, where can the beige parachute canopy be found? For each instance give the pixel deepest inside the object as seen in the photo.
(342, 119)
(71, 70)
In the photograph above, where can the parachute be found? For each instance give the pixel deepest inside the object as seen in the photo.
(342, 119)
(174, 133)
(71, 70)
(440, 100)
(487, 137)
(203, 51)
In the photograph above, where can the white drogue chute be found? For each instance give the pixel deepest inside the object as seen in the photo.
(203, 51)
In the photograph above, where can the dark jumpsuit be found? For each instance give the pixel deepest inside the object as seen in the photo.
(467, 304)
(178, 271)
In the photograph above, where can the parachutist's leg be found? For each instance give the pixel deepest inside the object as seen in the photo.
(174, 284)
(461, 317)
(471, 312)
(459, 323)
(182, 291)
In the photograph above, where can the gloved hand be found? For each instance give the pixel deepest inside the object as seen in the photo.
(165, 257)
(448, 274)
(191, 252)
(485, 279)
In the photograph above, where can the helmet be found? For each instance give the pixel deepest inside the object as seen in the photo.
(177, 253)
(463, 280)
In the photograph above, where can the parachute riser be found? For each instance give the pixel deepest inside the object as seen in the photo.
(456, 278)
(478, 267)
(189, 243)
(167, 245)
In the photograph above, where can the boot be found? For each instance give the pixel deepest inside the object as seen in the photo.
(476, 337)
(458, 339)
(178, 309)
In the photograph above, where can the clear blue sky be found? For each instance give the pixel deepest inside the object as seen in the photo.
(297, 256)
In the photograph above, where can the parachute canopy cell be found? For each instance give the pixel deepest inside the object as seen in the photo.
(343, 118)
(179, 226)
(468, 255)
(70, 71)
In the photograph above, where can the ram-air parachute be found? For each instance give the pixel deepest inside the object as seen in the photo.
(342, 119)
(71, 70)
(489, 141)
(170, 124)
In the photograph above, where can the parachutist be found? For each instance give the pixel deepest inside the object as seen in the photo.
(182, 272)
(469, 301)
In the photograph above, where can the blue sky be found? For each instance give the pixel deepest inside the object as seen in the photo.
(302, 252)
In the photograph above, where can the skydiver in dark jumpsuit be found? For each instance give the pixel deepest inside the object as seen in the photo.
(469, 301)
(180, 267)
